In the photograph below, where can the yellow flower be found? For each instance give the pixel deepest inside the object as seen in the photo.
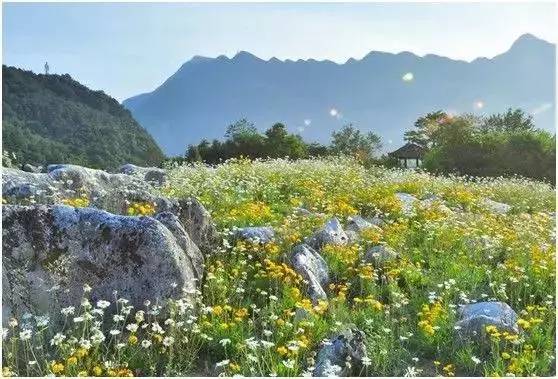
(524, 324)
(81, 352)
(282, 350)
(235, 367)
(97, 370)
(71, 361)
(505, 355)
(132, 340)
(56, 367)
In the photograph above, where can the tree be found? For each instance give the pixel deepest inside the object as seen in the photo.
(425, 128)
(512, 120)
(350, 141)
(241, 129)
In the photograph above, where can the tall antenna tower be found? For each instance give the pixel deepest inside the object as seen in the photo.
(46, 68)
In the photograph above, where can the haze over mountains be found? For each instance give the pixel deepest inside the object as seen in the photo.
(314, 98)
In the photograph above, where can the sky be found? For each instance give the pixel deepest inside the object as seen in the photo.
(130, 48)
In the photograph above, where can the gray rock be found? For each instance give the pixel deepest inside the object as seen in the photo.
(110, 192)
(332, 356)
(473, 319)
(31, 168)
(153, 175)
(198, 223)
(309, 264)
(380, 255)
(408, 203)
(358, 223)
(261, 234)
(496, 207)
(331, 234)
(50, 252)
(171, 221)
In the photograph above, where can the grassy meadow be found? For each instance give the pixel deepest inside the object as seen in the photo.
(246, 319)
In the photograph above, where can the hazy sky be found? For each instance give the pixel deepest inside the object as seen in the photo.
(126, 49)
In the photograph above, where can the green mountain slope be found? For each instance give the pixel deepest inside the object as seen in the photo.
(53, 119)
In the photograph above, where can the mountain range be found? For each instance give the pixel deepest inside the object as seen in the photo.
(382, 92)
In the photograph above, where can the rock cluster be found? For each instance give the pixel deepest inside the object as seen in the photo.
(50, 251)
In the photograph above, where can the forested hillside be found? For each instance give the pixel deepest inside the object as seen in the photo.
(53, 118)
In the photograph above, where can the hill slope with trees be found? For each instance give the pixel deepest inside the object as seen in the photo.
(53, 118)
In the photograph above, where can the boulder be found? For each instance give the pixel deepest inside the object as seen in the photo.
(309, 264)
(50, 252)
(380, 255)
(171, 221)
(331, 234)
(197, 222)
(408, 203)
(333, 355)
(31, 168)
(358, 223)
(257, 234)
(154, 175)
(496, 207)
(110, 192)
(474, 318)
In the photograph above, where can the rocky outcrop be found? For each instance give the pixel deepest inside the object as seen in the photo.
(50, 252)
(197, 222)
(358, 223)
(333, 356)
(111, 192)
(496, 207)
(331, 234)
(308, 263)
(256, 234)
(153, 175)
(474, 318)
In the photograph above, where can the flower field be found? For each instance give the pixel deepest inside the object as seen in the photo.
(252, 316)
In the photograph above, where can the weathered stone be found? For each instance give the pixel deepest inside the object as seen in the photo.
(171, 221)
(358, 223)
(258, 234)
(474, 318)
(110, 192)
(333, 356)
(380, 255)
(309, 264)
(198, 223)
(50, 252)
(153, 175)
(331, 234)
(496, 207)
(408, 203)
(31, 168)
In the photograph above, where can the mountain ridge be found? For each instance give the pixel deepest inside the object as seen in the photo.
(230, 88)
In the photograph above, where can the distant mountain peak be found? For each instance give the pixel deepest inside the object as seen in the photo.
(245, 56)
(528, 39)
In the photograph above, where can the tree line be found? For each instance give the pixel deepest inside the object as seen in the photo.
(242, 139)
(503, 144)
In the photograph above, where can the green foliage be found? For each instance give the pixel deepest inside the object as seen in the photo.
(52, 118)
(350, 141)
(244, 140)
(500, 145)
